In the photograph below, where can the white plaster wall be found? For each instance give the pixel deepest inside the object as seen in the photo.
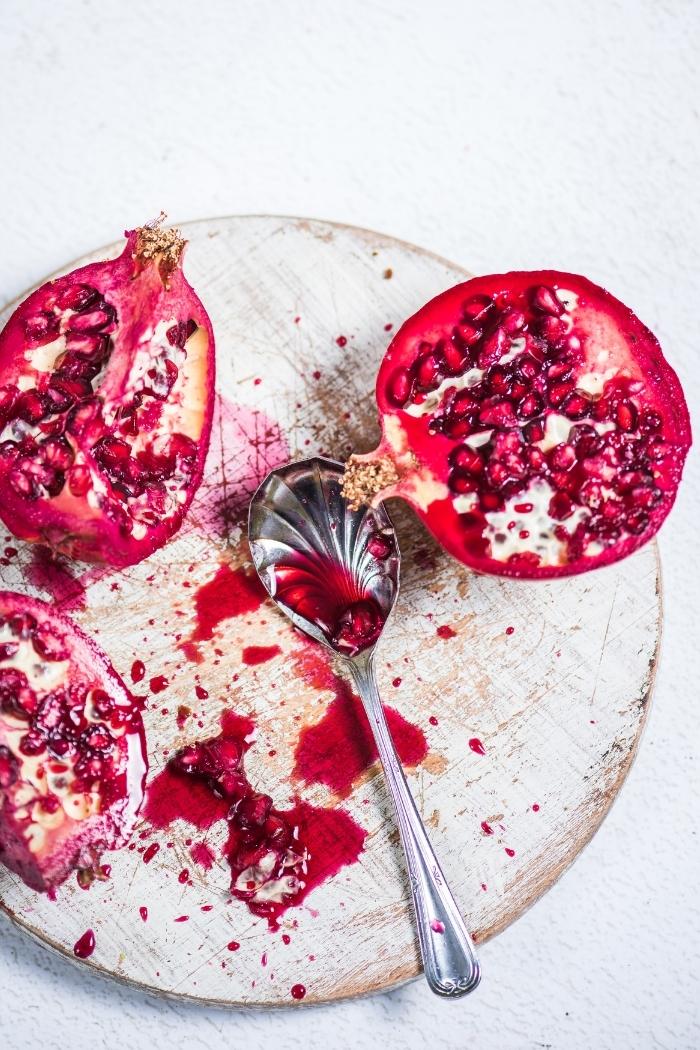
(502, 135)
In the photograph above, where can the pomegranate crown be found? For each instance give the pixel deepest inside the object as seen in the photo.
(165, 246)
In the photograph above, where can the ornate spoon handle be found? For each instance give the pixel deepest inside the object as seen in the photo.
(449, 959)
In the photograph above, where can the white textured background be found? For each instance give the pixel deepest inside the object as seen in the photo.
(501, 135)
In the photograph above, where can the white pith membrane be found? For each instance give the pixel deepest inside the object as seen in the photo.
(47, 776)
(256, 882)
(161, 415)
(524, 524)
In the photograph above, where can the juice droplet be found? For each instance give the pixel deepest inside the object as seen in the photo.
(143, 912)
(138, 670)
(233, 946)
(510, 852)
(486, 828)
(433, 720)
(476, 746)
(298, 991)
(201, 692)
(158, 683)
(150, 853)
(445, 631)
(510, 630)
(535, 807)
(437, 927)
(183, 876)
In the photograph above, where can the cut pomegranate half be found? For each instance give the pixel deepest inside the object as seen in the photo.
(532, 422)
(106, 402)
(72, 748)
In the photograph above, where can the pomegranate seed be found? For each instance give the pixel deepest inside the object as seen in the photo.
(468, 459)
(553, 329)
(527, 367)
(498, 380)
(79, 480)
(545, 299)
(561, 368)
(501, 415)
(478, 307)
(23, 485)
(428, 371)
(563, 457)
(559, 391)
(94, 320)
(626, 415)
(637, 522)
(493, 348)
(41, 327)
(576, 405)
(57, 452)
(32, 406)
(513, 321)
(461, 483)
(400, 386)
(531, 405)
(560, 506)
(470, 334)
(600, 410)
(649, 421)
(8, 395)
(77, 297)
(455, 360)
(490, 501)
(379, 546)
(462, 403)
(591, 494)
(32, 743)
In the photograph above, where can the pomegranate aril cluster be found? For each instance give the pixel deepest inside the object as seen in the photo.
(45, 428)
(496, 377)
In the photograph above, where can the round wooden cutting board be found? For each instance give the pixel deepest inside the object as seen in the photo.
(531, 697)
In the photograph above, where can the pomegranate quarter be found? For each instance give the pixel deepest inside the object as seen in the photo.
(532, 422)
(106, 402)
(72, 749)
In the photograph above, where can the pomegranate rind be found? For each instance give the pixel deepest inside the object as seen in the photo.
(616, 347)
(105, 524)
(72, 748)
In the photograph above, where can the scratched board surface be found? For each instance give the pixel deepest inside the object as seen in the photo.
(516, 707)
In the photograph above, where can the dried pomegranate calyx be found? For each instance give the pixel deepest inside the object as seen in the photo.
(533, 424)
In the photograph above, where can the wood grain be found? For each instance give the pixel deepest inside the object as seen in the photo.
(559, 704)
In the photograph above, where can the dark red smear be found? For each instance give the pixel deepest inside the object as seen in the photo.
(150, 853)
(476, 746)
(54, 575)
(510, 852)
(445, 631)
(259, 654)
(326, 839)
(486, 828)
(181, 918)
(183, 713)
(173, 795)
(286, 939)
(298, 991)
(202, 855)
(340, 748)
(230, 592)
(158, 683)
(510, 630)
(143, 912)
(85, 945)
(433, 720)
(138, 671)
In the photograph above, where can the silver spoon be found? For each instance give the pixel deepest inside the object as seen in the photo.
(335, 573)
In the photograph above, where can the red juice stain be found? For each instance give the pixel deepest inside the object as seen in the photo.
(182, 918)
(486, 828)
(342, 341)
(54, 575)
(183, 713)
(476, 746)
(297, 991)
(183, 876)
(396, 683)
(433, 720)
(510, 852)
(259, 654)
(230, 592)
(201, 692)
(150, 853)
(246, 444)
(158, 683)
(286, 939)
(233, 946)
(138, 671)
(85, 945)
(263, 959)
(203, 855)
(338, 749)
(143, 912)
(510, 630)
(309, 843)
(445, 631)
(437, 927)
(535, 807)
(207, 907)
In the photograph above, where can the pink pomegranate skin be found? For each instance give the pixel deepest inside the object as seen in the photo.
(72, 747)
(532, 422)
(106, 402)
